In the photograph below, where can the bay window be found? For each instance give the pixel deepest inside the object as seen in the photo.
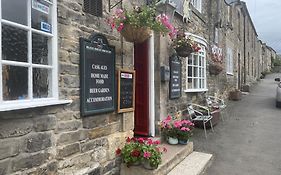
(196, 71)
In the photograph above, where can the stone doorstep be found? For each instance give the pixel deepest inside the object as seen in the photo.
(193, 164)
(174, 155)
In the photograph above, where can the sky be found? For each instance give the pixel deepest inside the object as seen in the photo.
(266, 16)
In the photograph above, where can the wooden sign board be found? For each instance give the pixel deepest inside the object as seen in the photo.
(97, 76)
(126, 90)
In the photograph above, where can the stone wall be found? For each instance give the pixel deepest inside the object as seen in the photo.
(56, 140)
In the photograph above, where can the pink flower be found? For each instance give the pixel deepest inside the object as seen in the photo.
(118, 12)
(149, 142)
(177, 124)
(185, 129)
(169, 118)
(121, 26)
(164, 149)
(157, 142)
(146, 154)
(141, 140)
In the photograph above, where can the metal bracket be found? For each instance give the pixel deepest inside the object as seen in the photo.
(114, 5)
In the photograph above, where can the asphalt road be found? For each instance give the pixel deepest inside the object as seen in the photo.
(248, 142)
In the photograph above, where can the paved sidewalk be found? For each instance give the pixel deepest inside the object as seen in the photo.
(248, 142)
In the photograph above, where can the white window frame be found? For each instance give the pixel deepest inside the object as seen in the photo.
(33, 102)
(197, 4)
(200, 55)
(229, 61)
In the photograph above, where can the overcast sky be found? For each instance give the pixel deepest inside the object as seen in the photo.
(266, 15)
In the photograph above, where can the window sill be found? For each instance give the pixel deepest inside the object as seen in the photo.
(195, 90)
(25, 104)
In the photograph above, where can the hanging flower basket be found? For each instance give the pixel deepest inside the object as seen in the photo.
(184, 51)
(215, 68)
(135, 34)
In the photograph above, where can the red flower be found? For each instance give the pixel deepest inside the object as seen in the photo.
(118, 151)
(157, 142)
(135, 153)
(128, 140)
(149, 142)
(141, 140)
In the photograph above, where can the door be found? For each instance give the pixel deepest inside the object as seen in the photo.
(142, 89)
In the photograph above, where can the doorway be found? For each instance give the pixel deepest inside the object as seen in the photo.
(144, 115)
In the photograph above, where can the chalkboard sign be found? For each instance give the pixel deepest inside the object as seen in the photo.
(175, 77)
(126, 90)
(97, 75)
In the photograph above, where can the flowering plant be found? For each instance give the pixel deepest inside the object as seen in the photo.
(137, 150)
(182, 41)
(144, 16)
(184, 129)
(180, 129)
(168, 128)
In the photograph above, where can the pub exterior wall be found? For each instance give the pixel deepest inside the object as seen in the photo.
(57, 140)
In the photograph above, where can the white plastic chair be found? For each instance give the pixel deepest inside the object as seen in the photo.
(218, 103)
(203, 115)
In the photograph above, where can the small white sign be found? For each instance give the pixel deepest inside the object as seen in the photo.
(46, 27)
(40, 7)
(126, 75)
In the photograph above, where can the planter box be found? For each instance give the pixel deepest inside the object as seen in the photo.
(235, 95)
(215, 120)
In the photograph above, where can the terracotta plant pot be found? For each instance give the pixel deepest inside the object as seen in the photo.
(235, 95)
(184, 51)
(135, 34)
(215, 68)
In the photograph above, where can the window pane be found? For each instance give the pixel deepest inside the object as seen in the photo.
(15, 82)
(195, 71)
(41, 16)
(15, 11)
(195, 81)
(196, 58)
(14, 44)
(41, 54)
(41, 83)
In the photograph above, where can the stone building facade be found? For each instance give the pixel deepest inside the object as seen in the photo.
(49, 136)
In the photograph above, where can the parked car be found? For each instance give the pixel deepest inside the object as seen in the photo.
(278, 95)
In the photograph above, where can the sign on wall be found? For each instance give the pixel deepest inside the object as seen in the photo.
(126, 90)
(97, 76)
(175, 77)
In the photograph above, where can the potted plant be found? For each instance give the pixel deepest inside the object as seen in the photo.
(184, 132)
(169, 130)
(141, 151)
(184, 45)
(235, 95)
(152, 154)
(131, 152)
(135, 25)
